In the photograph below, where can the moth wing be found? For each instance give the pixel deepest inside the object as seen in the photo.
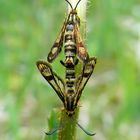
(81, 49)
(55, 81)
(56, 48)
(84, 77)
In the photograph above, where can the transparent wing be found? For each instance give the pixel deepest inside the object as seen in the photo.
(84, 77)
(81, 50)
(55, 81)
(56, 48)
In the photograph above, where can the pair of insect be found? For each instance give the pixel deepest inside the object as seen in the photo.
(70, 90)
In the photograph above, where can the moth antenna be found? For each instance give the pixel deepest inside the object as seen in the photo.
(88, 133)
(77, 4)
(57, 128)
(52, 132)
(69, 4)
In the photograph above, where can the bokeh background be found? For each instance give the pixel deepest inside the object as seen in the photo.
(110, 105)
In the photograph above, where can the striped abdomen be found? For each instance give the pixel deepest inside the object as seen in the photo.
(70, 62)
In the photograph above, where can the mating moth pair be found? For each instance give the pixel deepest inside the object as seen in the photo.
(69, 90)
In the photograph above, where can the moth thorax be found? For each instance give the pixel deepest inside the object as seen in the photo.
(73, 17)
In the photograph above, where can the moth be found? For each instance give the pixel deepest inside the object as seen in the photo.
(71, 37)
(69, 90)
(68, 96)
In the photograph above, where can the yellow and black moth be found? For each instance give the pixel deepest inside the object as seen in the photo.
(69, 90)
(71, 37)
(70, 93)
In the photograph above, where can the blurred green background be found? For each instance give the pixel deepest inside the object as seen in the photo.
(110, 105)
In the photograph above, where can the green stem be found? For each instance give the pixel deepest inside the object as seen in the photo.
(68, 131)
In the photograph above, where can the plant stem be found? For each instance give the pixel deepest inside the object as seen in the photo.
(68, 131)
